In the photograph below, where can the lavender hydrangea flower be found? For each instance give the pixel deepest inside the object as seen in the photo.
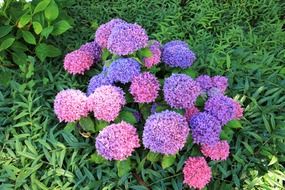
(205, 82)
(175, 43)
(97, 81)
(123, 70)
(126, 39)
(165, 132)
(104, 31)
(221, 107)
(176, 54)
(181, 91)
(94, 49)
(220, 82)
(205, 128)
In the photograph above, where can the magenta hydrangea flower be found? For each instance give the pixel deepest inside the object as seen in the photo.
(144, 87)
(77, 62)
(123, 70)
(205, 129)
(177, 54)
(156, 54)
(104, 31)
(117, 141)
(126, 39)
(106, 102)
(197, 173)
(220, 82)
(165, 132)
(94, 49)
(97, 81)
(219, 151)
(70, 105)
(190, 112)
(238, 113)
(221, 107)
(181, 91)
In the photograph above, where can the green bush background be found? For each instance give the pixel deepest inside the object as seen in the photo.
(243, 40)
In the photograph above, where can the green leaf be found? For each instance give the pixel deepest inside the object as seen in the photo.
(190, 72)
(105, 54)
(25, 19)
(37, 27)
(5, 77)
(99, 124)
(43, 51)
(6, 43)
(273, 160)
(167, 161)
(29, 37)
(96, 158)
(4, 30)
(145, 52)
(128, 117)
(41, 6)
(51, 12)
(61, 27)
(153, 157)
(20, 58)
(234, 124)
(87, 124)
(123, 167)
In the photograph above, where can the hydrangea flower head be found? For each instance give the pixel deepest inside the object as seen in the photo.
(77, 62)
(155, 49)
(70, 105)
(219, 151)
(238, 110)
(97, 81)
(190, 112)
(205, 128)
(117, 141)
(165, 132)
(220, 82)
(104, 31)
(144, 87)
(177, 54)
(222, 107)
(181, 91)
(126, 39)
(197, 173)
(205, 82)
(123, 70)
(94, 49)
(106, 102)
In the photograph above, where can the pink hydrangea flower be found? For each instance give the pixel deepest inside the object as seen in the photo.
(70, 105)
(189, 112)
(219, 151)
(155, 49)
(106, 102)
(104, 31)
(197, 173)
(77, 62)
(144, 87)
(238, 110)
(117, 141)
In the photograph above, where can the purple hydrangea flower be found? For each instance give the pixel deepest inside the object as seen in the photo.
(213, 85)
(97, 81)
(181, 91)
(123, 70)
(220, 82)
(175, 43)
(176, 54)
(155, 49)
(94, 49)
(165, 132)
(126, 39)
(221, 107)
(104, 31)
(205, 128)
(205, 82)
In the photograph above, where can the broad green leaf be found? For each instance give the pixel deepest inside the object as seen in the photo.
(105, 54)
(167, 161)
(128, 117)
(273, 160)
(47, 31)
(153, 157)
(145, 52)
(20, 58)
(234, 124)
(4, 30)
(51, 12)
(29, 37)
(123, 167)
(25, 19)
(190, 72)
(87, 124)
(37, 27)
(44, 50)
(70, 127)
(41, 6)
(96, 158)
(6, 43)
(5, 78)
(61, 27)
(99, 124)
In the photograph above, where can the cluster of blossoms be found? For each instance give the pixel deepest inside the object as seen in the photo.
(164, 132)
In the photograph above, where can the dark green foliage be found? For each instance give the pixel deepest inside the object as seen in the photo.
(244, 40)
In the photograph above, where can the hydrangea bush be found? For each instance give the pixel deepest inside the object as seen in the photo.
(147, 98)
